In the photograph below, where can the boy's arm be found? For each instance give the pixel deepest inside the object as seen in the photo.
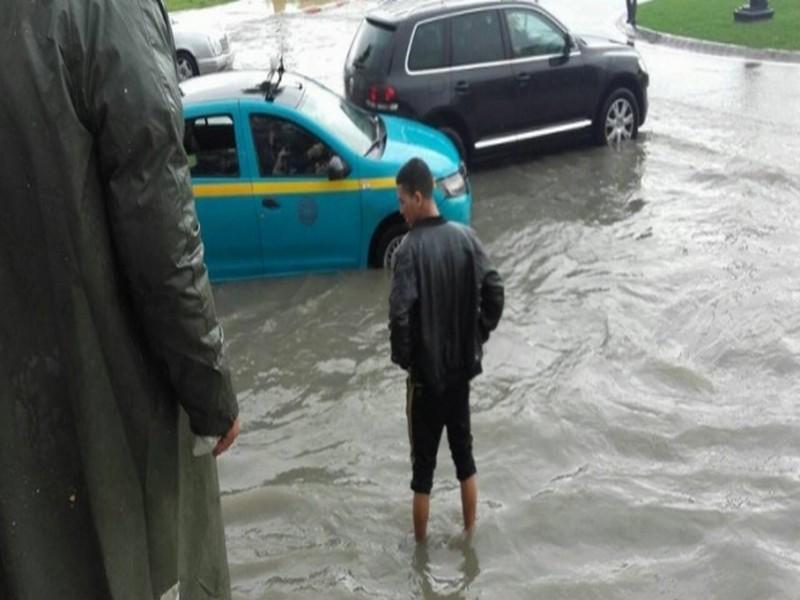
(401, 302)
(492, 292)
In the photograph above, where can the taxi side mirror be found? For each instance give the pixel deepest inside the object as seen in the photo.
(337, 169)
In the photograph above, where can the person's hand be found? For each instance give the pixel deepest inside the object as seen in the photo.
(227, 440)
(316, 151)
(281, 163)
(320, 168)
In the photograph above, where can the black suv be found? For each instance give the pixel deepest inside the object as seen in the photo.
(492, 73)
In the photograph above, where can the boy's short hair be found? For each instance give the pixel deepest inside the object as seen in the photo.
(415, 176)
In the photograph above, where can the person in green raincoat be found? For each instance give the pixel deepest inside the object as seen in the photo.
(110, 350)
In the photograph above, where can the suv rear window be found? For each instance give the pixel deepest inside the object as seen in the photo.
(476, 38)
(370, 46)
(428, 47)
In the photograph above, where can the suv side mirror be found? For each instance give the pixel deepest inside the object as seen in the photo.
(569, 44)
(337, 169)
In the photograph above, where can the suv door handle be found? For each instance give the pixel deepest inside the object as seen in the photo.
(462, 87)
(523, 78)
(270, 203)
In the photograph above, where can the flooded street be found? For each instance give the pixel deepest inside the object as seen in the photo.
(637, 430)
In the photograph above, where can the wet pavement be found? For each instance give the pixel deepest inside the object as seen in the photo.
(637, 429)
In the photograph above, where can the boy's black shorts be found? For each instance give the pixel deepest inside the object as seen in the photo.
(428, 413)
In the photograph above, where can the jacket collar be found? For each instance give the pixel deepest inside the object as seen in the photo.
(430, 222)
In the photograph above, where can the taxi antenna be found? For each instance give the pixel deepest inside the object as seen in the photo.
(271, 87)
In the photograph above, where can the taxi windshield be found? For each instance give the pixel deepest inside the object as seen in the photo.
(350, 124)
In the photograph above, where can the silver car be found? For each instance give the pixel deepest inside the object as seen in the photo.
(201, 51)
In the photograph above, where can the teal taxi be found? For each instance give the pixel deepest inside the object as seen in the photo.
(290, 178)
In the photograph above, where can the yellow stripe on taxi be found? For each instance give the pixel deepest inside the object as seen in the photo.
(312, 186)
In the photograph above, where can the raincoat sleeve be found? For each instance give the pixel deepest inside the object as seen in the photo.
(402, 299)
(133, 109)
(492, 292)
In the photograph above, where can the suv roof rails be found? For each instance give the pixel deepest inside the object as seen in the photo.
(392, 11)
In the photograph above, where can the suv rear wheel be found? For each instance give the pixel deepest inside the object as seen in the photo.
(457, 140)
(618, 120)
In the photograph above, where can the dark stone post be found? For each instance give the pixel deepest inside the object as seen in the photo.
(755, 11)
(631, 6)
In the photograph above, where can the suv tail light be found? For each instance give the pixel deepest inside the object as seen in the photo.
(382, 97)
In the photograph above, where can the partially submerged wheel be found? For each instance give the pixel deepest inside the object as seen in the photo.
(618, 121)
(387, 244)
(187, 66)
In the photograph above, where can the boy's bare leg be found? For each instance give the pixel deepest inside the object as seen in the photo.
(422, 508)
(469, 502)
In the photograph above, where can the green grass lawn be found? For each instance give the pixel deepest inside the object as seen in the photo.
(184, 4)
(713, 20)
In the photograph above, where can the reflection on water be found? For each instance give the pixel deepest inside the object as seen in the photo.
(590, 184)
(441, 580)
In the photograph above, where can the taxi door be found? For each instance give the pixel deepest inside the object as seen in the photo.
(226, 209)
(308, 221)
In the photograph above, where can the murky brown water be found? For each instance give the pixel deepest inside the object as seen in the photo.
(637, 429)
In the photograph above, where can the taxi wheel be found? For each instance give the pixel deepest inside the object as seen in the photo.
(387, 245)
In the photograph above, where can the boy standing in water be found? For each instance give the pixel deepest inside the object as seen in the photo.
(446, 298)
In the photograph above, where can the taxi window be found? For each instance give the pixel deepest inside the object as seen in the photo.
(210, 144)
(287, 150)
(346, 122)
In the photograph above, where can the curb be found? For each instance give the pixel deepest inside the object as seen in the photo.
(707, 47)
(313, 10)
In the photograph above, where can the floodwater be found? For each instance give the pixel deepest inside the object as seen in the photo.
(637, 430)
